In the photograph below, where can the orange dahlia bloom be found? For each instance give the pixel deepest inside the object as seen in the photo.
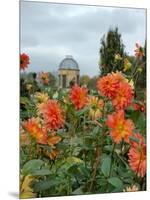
(33, 128)
(139, 52)
(123, 97)
(52, 114)
(120, 128)
(137, 156)
(24, 61)
(44, 78)
(96, 106)
(78, 96)
(108, 85)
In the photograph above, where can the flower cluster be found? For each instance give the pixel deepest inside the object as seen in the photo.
(97, 119)
(43, 129)
(116, 87)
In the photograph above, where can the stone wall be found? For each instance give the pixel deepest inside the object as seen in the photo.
(71, 74)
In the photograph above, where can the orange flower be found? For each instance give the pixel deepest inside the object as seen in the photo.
(44, 78)
(139, 51)
(53, 154)
(52, 114)
(52, 140)
(120, 128)
(108, 85)
(33, 128)
(137, 156)
(78, 96)
(123, 96)
(24, 61)
(96, 106)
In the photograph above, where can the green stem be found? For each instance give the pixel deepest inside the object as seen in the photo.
(84, 140)
(99, 150)
(113, 150)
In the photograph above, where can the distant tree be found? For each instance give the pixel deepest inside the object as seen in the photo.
(111, 45)
(92, 83)
(52, 80)
(84, 80)
(141, 82)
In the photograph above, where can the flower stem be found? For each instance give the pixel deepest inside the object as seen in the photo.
(112, 153)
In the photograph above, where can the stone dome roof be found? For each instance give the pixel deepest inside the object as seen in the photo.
(69, 63)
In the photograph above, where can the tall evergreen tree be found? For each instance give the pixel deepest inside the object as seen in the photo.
(111, 44)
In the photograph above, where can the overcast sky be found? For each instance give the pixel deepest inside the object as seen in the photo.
(51, 31)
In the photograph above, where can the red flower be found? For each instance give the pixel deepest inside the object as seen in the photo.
(78, 96)
(24, 61)
(139, 51)
(33, 128)
(123, 97)
(120, 128)
(52, 114)
(137, 156)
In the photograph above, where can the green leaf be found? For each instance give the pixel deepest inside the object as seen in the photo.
(74, 160)
(78, 191)
(55, 95)
(41, 172)
(83, 111)
(116, 182)
(24, 100)
(44, 185)
(106, 166)
(134, 139)
(31, 166)
(96, 130)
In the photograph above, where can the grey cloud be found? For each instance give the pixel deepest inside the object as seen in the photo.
(50, 31)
